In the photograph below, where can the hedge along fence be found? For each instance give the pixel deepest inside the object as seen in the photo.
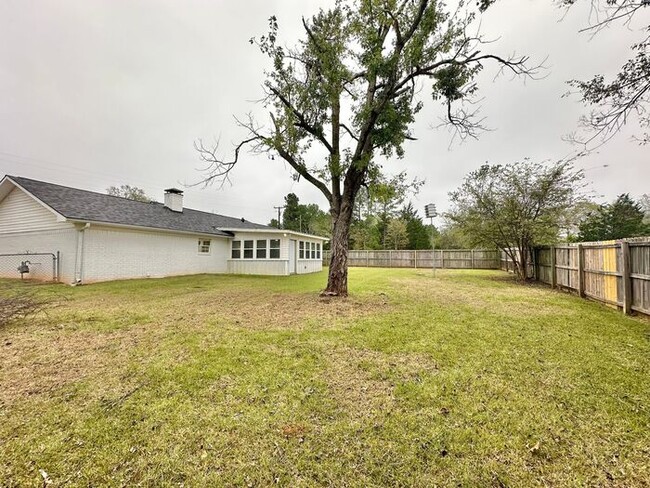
(442, 258)
(613, 272)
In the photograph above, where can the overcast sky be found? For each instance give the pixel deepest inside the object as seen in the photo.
(100, 93)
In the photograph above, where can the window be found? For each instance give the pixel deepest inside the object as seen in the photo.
(313, 250)
(318, 250)
(301, 250)
(260, 252)
(274, 248)
(204, 246)
(248, 249)
(236, 250)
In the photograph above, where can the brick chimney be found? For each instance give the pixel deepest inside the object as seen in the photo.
(174, 199)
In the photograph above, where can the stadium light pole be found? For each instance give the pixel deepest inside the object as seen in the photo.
(430, 211)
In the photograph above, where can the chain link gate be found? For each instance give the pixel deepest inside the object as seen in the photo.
(43, 266)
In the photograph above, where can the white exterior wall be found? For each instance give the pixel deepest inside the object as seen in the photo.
(272, 266)
(260, 266)
(19, 212)
(112, 253)
(311, 266)
(26, 226)
(64, 241)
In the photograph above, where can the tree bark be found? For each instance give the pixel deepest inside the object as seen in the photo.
(337, 280)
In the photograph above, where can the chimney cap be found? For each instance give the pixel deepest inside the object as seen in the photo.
(174, 190)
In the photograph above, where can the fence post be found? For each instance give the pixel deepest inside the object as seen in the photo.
(442, 258)
(535, 260)
(473, 267)
(390, 259)
(367, 258)
(553, 271)
(581, 269)
(416, 258)
(627, 282)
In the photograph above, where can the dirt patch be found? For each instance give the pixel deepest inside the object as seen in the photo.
(102, 336)
(259, 310)
(41, 363)
(362, 382)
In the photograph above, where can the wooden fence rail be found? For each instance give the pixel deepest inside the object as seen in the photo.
(443, 258)
(613, 272)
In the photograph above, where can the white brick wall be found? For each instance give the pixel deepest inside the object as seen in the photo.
(111, 253)
(64, 240)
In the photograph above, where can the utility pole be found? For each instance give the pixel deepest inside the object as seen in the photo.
(279, 209)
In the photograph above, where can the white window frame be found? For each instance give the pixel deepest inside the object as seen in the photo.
(251, 249)
(301, 250)
(278, 248)
(233, 249)
(203, 248)
(258, 249)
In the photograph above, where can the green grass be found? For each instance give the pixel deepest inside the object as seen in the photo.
(468, 379)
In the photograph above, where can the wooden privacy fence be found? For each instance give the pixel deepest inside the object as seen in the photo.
(443, 258)
(613, 272)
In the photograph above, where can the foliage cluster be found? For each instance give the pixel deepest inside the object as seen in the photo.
(130, 192)
(618, 220)
(514, 207)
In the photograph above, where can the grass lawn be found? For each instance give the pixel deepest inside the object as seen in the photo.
(467, 379)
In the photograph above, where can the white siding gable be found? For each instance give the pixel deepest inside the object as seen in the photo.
(19, 212)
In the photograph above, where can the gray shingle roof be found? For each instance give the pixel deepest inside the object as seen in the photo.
(86, 205)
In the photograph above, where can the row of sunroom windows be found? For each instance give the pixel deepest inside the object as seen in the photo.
(270, 249)
(308, 250)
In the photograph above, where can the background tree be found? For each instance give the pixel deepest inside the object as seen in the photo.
(451, 236)
(291, 215)
(348, 93)
(304, 218)
(386, 195)
(397, 236)
(618, 220)
(419, 235)
(514, 207)
(130, 192)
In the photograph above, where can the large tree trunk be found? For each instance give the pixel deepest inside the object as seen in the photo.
(337, 281)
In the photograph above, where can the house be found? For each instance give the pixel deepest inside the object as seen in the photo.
(79, 236)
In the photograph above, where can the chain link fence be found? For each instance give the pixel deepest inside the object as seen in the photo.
(42, 266)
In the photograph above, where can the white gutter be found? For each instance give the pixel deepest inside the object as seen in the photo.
(275, 231)
(149, 229)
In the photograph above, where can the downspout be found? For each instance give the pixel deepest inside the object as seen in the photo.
(79, 255)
